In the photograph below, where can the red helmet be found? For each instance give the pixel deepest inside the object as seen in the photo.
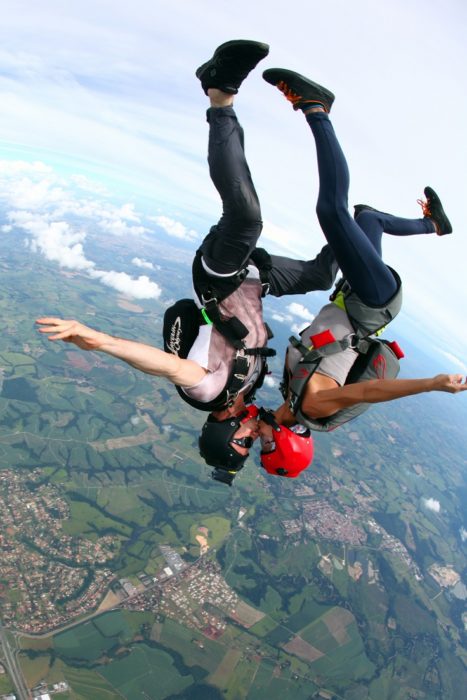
(293, 451)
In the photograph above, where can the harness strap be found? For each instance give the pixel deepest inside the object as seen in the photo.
(232, 329)
(260, 352)
(238, 376)
(367, 320)
(263, 262)
(338, 298)
(212, 291)
(309, 363)
(311, 358)
(310, 354)
(340, 291)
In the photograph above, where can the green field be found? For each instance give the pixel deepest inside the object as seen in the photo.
(56, 401)
(308, 611)
(85, 520)
(347, 661)
(6, 685)
(126, 504)
(266, 686)
(263, 627)
(146, 672)
(86, 684)
(113, 624)
(195, 649)
(218, 528)
(86, 642)
(35, 669)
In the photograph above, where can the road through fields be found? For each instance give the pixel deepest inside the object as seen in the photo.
(13, 667)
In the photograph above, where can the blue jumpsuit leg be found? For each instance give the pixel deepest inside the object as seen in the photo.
(357, 248)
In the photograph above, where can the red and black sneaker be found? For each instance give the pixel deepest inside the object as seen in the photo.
(230, 65)
(433, 209)
(300, 91)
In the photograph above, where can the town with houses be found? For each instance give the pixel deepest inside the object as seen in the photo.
(43, 584)
(44, 580)
(198, 597)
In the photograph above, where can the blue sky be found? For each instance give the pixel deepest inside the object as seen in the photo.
(106, 90)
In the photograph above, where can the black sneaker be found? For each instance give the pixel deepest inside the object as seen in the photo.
(358, 208)
(230, 65)
(299, 90)
(433, 209)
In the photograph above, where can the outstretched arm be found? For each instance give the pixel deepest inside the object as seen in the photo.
(143, 357)
(326, 402)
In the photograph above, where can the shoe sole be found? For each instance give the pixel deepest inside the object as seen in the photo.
(300, 85)
(258, 49)
(258, 46)
(431, 195)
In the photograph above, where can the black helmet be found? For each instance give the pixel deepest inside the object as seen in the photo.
(215, 445)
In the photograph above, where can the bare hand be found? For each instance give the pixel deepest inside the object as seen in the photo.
(452, 383)
(71, 332)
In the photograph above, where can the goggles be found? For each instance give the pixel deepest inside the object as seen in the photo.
(243, 442)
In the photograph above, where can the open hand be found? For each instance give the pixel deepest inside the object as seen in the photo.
(452, 383)
(71, 332)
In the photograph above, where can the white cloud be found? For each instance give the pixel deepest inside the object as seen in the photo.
(29, 185)
(56, 240)
(114, 220)
(139, 262)
(174, 228)
(282, 318)
(81, 87)
(118, 227)
(432, 504)
(127, 211)
(6, 228)
(270, 381)
(463, 534)
(300, 311)
(139, 288)
(84, 183)
(37, 187)
(45, 206)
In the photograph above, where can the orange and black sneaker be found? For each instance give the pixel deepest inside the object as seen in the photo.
(433, 209)
(230, 65)
(300, 91)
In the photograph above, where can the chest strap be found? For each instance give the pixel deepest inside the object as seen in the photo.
(232, 329)
(310, 361)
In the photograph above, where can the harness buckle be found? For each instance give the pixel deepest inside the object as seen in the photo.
(293, 401)
(211, 300)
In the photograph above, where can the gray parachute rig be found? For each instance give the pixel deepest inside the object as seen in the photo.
(377, 358)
